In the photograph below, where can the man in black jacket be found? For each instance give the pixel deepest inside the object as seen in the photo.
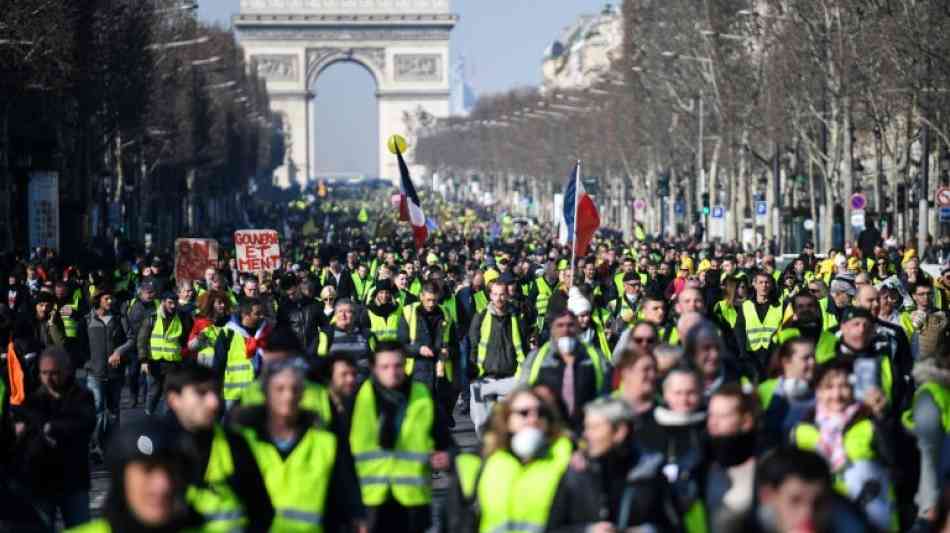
(298, 312)
(191, 394)
(107, 348)
(56, 423)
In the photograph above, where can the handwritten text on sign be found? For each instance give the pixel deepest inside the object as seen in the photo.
(258, 250)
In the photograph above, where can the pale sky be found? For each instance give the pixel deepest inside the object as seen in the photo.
(502, 42)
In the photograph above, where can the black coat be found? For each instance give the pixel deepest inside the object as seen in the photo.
(59, 463)
(303, 316)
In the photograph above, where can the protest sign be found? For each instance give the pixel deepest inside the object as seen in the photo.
(258, 250)
(193, 257)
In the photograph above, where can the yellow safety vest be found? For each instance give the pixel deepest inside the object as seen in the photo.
(70, 323)
(101, 525)
(316, 399)
(298, 485)
(543, 353)
(481, 301)
(404, 470)
(361, 285)
(484, 335)
(164, 343)
(206, 354)
(601, 335)
(759, 334)
(727, 312)
(411, 314)
(941, 397)
(544, 295)
(517, 497)
(385, 329)
(214, 498)
(238, 373)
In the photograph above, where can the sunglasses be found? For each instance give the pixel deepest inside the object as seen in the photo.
(644, 340)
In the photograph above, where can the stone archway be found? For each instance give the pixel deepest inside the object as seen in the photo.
(404, 44)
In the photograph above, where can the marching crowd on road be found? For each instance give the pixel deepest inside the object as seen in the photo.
(645, 385)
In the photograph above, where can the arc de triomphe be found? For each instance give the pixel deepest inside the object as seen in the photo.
(404, 44)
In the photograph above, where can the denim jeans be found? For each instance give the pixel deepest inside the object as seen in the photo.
(107, 393)
(74, 507)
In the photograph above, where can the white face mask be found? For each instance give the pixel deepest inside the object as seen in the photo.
(566, 344)
(795, 388)
(527, 442)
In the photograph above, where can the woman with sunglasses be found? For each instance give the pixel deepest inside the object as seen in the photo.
(519, 482)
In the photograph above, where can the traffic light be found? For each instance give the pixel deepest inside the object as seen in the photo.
(705, 203)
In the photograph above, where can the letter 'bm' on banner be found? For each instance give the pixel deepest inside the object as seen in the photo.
(257, 250)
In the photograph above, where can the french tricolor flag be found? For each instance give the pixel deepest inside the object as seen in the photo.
(580, 216)
(410, 209)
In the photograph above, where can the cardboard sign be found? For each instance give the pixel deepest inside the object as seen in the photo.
(193, 257)
(258, 250)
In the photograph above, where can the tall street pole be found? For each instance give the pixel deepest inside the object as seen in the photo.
(699, 166)
(924, 194)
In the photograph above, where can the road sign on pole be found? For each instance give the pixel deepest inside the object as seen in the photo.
(718, 211)
(945, 214)
(943, 196)
(858, 201)
(639, 204)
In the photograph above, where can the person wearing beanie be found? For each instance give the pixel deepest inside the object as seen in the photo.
(148, 484)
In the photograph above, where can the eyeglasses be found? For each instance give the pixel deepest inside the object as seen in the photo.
(644, 340)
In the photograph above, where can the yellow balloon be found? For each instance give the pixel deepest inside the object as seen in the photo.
(397, 141)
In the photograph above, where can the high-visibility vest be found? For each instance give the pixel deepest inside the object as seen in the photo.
(450, 309)
(467, 468)
(941, 397)
(827, 350)
(361, 285)
(727, 312)
(828, 320)
(238, 372)
(70, 323)
(415, 288)
(164, 343)
(323, 343)
(411, 313)
(544, 352)
(759, 333)
(766, 391)
(316, 399)
(484, 335)
(403, 471)
(385, 329)
(858, 442)
(544, 295)
(600, 334)
(620, 305)
(481, 301)
(206, 354)
(298, 485)
(517, 497)
(214, 498)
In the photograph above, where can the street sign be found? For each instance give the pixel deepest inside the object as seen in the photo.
(857, 218)
(945, 214)
(943, 197)
(761, 208)
(718, 211)
(680, 207)
(639, 204)
(858, 201)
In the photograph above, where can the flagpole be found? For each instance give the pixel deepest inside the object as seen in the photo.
(573, 239)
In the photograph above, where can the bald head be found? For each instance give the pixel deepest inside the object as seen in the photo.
(690, 300)
(866, 298)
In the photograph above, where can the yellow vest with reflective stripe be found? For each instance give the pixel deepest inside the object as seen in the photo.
(543, 353)
(214, 498)
(467, 466)
(411, 313)
(164, 343)
(404, 470)
(544, 294)
(316, 399)
(385, 329)
(484, 335)
(759, 334)
(239, 373)
(601, 335)
(298, 485)
(361, 285)
(517, 497)
(941, 398)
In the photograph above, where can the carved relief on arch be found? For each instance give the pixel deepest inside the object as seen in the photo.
(373, 57)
